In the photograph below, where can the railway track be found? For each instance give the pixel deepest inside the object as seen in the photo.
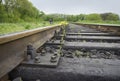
(73, 53)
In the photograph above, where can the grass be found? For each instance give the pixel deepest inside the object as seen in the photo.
(7, 28)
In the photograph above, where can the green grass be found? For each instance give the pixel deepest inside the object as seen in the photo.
(7, 28)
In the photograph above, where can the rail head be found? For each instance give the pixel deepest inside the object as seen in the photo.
(15, 36)
(113, 29)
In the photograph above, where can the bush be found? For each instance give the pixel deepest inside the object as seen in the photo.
(27, 27)
(93, 17)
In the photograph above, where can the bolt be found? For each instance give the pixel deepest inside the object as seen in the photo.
(43, 53)
(30, 51)
(52, 41)
(55, 54)
(38, 80)
(53, 59)
(37, 59)
(69, 54)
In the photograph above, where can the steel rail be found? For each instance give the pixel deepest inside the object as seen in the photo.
(13, 46)
(110, 25)
(103, 27)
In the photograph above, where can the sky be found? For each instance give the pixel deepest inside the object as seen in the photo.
(77, 6)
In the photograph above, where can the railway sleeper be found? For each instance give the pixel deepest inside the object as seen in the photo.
(92, 34)
(89, 39)
(91, 45)
(93, 37)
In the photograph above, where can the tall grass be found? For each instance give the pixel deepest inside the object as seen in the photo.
(7, 28)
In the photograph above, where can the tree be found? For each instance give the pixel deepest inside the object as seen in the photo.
(81, 17)
(0, 1)
(110, 16)
(16, 10)
(93, 17)
(3, 14)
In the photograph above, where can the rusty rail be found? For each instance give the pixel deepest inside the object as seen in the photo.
(12, 47)
(102, 27)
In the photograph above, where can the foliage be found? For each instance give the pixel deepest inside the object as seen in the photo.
(18, 11)
(82, 17)
(55, 17)
(102, 22)
(93, 17)
(63, 23)
(6, 28)
(110, 16)
(105, 18)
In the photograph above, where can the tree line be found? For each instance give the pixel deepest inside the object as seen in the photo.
(23, 10)
(84, 17)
